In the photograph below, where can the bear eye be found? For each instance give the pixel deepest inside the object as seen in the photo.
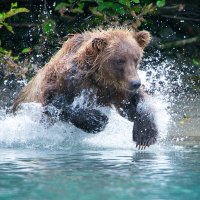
(121, 61)
(135, 60)
(120, 69)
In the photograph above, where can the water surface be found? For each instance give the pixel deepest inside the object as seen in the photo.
(82, 173)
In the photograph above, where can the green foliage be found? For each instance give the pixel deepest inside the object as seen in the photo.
(161, 3)
(110, 10)
(26, 50)
(136, 1)
(6, 56)
(110, 7)
(61, 5)
(3, 51)
(14, 10)
(5, 15)
(48, 27)
(196, 62)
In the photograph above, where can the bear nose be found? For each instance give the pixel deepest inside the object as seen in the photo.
(135, 84)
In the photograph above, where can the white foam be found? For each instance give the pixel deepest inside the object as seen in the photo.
(25, 129)
(117, 134)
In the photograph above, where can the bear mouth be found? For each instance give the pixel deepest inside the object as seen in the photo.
(131, 91)
(125, 87)
(116, 85)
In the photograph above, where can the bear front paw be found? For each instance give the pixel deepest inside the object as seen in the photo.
(144, 133)
(142, 142)
(89, 120)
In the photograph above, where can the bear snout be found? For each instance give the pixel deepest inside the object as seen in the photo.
(134, 85)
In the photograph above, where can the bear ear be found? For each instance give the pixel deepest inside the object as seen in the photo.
(99, 44)
(143, 38)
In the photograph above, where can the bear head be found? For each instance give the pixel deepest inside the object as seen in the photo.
(112, 57)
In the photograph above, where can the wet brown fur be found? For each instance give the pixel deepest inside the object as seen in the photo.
(90, 53)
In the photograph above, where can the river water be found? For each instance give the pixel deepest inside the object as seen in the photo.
(158, 173)
(58, 162)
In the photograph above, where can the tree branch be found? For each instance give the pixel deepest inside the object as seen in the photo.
(181, 18)
(179, 43)
(23, 25)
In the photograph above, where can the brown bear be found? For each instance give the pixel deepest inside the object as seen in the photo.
(102, 63)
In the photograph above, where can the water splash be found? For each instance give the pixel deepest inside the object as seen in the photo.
(26, 130)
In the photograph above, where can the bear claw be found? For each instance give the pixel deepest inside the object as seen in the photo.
(141, 145)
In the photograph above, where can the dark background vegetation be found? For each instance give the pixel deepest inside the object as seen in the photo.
(31, 31)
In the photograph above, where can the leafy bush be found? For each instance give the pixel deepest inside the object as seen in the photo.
(14, 10)
(118, 11)
(6, 57)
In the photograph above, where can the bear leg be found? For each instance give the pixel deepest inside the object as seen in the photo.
(144, 130)
(89, 120)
